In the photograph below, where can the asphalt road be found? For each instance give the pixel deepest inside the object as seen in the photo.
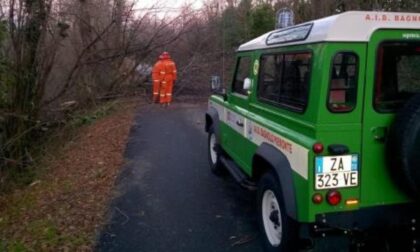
(168, 200)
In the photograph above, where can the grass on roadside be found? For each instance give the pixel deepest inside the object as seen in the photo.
(50, 144)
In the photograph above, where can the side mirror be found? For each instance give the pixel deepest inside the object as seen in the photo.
(247, 84)
(216, 84)
(217, 87)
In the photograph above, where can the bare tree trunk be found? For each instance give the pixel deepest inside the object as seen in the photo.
(118, 16)
(27, 37)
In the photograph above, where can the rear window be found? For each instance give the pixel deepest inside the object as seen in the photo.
(284, 80)
(397, 74)
(343, 84)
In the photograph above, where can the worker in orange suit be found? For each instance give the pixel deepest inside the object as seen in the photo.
(157, 77)
(169, 77)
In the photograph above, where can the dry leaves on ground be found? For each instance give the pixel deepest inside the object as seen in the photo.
(64, 209)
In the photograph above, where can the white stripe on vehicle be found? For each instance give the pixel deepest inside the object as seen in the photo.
(258, 134)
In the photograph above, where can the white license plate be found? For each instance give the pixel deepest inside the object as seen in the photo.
(336, 172)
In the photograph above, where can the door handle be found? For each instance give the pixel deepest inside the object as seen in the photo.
(239, 123)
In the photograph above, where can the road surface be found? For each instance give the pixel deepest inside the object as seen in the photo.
(166, 197)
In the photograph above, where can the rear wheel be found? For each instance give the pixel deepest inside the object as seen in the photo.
(404, 145)
(278, 229)
(214, 153)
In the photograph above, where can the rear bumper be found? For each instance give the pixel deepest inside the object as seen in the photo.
(379, 217)
(377, 228)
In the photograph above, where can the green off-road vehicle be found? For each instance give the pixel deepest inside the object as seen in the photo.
(323, 120)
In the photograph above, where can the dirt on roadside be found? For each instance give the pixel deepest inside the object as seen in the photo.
(64, 209)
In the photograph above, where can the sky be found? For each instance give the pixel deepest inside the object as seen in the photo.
(168, 5)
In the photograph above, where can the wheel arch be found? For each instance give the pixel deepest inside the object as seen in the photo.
(270, 158)
(212, 119)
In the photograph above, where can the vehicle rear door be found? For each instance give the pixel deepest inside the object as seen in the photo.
(340, 118)
(392, 63)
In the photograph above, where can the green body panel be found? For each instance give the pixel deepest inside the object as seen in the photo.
(231, 138)
(338, 128)
(381, 189)
(318, 124)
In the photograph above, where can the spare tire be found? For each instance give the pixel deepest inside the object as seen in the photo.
(404, 147)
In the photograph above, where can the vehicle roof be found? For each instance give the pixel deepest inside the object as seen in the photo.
(352, 26)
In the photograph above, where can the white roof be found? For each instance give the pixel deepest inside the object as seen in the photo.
(348, 26)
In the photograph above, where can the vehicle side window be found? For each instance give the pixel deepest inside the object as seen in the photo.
(242, 71)
(343, 83)
(270, 77)
(284, 80)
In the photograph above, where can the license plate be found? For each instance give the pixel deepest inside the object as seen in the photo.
(336, 172)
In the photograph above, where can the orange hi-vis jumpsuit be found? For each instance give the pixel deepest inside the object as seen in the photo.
(157, 77)
(169, 77)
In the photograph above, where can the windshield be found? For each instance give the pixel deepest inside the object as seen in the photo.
(397, 75)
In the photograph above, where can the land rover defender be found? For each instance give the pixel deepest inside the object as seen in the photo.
(323, 120)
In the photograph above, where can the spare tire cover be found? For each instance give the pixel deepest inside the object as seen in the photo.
(404, 147)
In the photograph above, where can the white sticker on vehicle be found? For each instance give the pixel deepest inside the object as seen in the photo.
(256, 67)
(295, 153)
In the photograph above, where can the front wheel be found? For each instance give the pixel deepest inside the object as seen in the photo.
(279, 230)
(214, 154)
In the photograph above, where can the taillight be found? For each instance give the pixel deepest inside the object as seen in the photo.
(352, 202)
(318, 148)
(333, 197)
(317, 198)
